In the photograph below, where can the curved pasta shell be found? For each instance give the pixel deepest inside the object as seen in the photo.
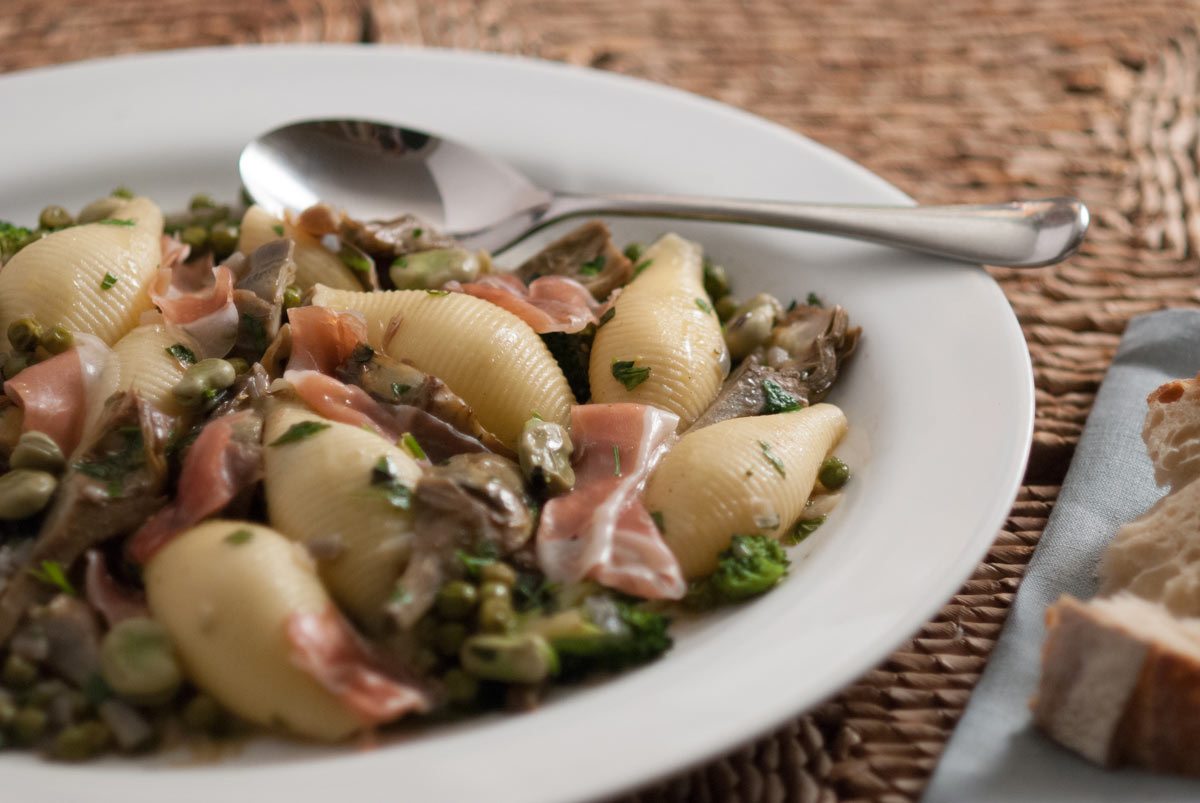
(662, 321)
(320, 487)
(721, 481)
(143, 364)
(485, 354)
(226, 603)
(314, 263)
(59, 278)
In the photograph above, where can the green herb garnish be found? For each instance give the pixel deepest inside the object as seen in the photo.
(399, 390)
(418, 232)
(116, 221)
(814, 300)
(114, 466)
(355, 260)
(182, 353)
(641, 266)
(438, 292)
(258, 333)
(122, 192)
(802, 529)
(775, 462)
(239, 537)
(593, 266)
(400, 595)
(411, 446)
(658, 520)
(108, 281)
(298, 432)
(400, 262)
(778, 400)
(628, 374)
(485, 554)
(704, 306)
(51, 573)
(607, 316)
(383, 477)
(278, 229)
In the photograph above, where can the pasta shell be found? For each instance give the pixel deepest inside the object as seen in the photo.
(90, 278)
(320, 487)
(742, 476)
(485, 354)
(662, 322)
(143, 364)
(225, 591)
(314, 263)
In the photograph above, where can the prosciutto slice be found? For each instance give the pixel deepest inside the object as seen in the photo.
(600, 530)
(322, 338)
(225, 459)
(324, 647)
(548, 304)
(198, 299)
(56, 394)
(352, 405)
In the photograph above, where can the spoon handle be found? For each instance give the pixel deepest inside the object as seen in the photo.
(1021, 234)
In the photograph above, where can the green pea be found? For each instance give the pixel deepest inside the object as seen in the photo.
(450, 637)
(461, 688)
(24, 492)
(37, 450)
(292, 297)
(194, 236)
(28, 725)
(138, 661)
(24, 334)
(201, 201)
(57, 339)
(14, 364)
(499, 572)
(18, 673)
(495, 615)
(55, 217)
(834, 473)
(457, 599)
(493, 590)
(224, 239)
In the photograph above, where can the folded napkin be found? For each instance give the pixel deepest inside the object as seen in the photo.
(996, 754)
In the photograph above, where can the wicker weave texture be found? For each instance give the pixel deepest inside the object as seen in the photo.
(960, 101)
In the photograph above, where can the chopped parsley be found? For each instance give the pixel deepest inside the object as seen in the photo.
(182, 353)
(355, 260)
(362, 353)
(778, 400)
(616, 460)
(485, 554)
(641, 266)
(658, 520)
(108, 281)
(593, 266)
(278, 229)
(298, 432)
(607, 316)
(256, 331)
(772, 458)
(418, 232)
(704, 306)
(438, 292)
(628, 374)
(803, 529)
(791, 306)
(814, 300)
(114, 466)
(383, 477)
(411, 446)
(400, 595)
(239, 537)
(400, 262)
(399, 390)
(116, 221)
(122, 192)
(51, 573)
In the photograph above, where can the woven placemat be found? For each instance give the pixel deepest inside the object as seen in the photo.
(975, 100)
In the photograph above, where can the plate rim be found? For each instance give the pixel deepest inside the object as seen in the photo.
(993, 518)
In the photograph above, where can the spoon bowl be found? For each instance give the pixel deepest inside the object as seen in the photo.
(376, 170)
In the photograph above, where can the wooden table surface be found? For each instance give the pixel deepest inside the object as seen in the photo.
(971, 100)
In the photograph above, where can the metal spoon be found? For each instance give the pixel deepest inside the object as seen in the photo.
(376, 171)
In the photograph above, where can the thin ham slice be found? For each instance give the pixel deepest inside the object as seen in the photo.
(114, 601)
(601, 530)
(56, 394)
(324, 647)
(224, 460)
(352, 405)
(322, 338)
(548, 304)
(200, 302)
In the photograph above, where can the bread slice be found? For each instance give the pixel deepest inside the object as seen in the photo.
(1172, 431)
(1157, 556)
(1120, 684)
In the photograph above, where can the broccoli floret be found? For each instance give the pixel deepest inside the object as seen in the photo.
(572, 351)
(752, 565)
(612, 635)
(12, 239)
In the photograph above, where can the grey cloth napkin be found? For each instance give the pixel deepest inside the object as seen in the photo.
(995, 753)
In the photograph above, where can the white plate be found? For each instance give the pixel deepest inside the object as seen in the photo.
(939, 397)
